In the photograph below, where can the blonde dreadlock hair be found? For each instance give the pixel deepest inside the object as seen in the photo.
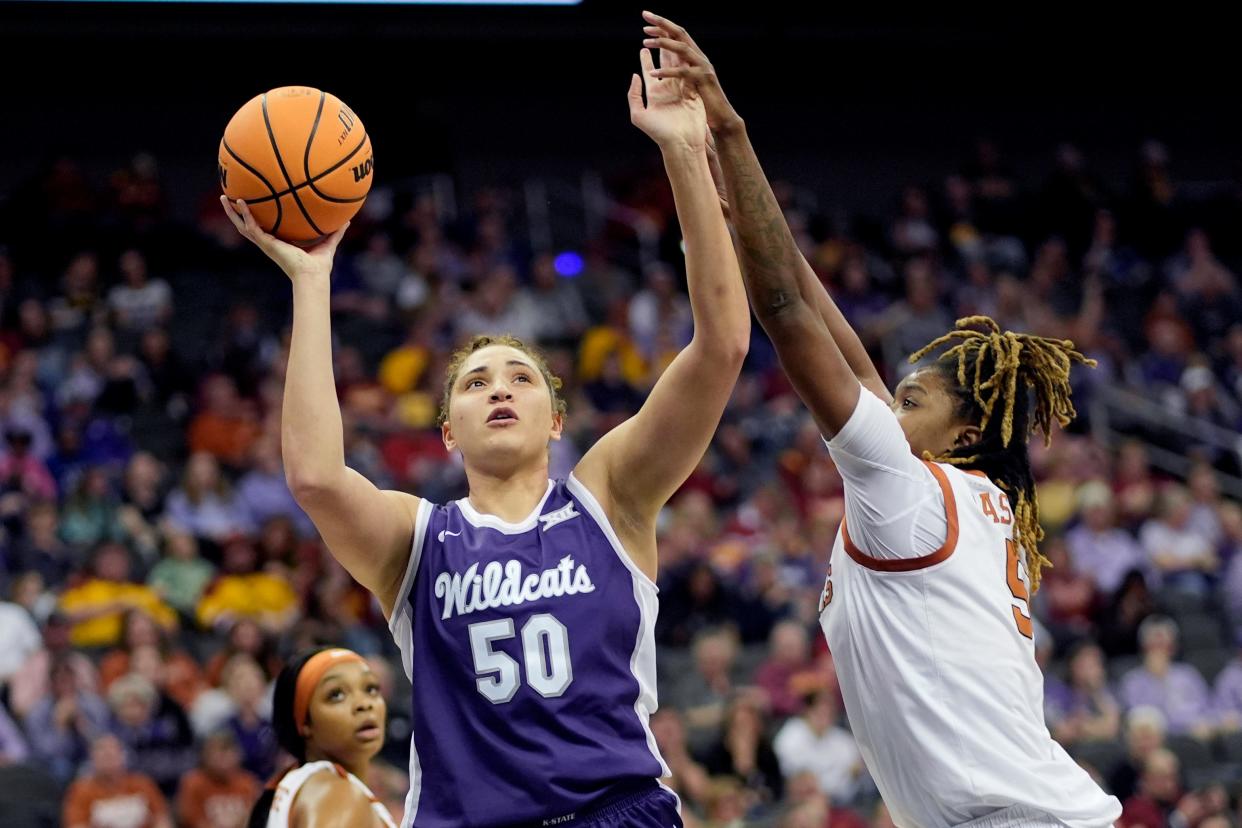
(991, 366)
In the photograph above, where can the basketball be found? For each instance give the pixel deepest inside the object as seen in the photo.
(300, 158)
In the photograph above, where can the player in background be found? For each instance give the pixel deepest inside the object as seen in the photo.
(525, 612)
(925, 607)
(329, 715)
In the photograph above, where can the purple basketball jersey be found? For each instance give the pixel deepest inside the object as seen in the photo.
(531, 651)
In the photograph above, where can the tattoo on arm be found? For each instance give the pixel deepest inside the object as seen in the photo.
(769, 254)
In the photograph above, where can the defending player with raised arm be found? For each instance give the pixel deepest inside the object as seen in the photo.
(525, 612)
(925, 607)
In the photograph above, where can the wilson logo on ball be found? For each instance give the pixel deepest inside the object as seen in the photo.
(346, 117)
(364, 169)
(224, 176)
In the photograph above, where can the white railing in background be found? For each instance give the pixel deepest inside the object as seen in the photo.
(1119, 414)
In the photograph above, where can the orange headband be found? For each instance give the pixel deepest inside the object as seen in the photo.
(310, 675)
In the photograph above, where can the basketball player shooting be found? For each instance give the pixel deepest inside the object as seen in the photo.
(925, 607)
(525, 611)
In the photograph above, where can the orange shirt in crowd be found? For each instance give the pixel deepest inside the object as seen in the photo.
(228, 438)
(133, 801)
(183, 679)
(205, 801)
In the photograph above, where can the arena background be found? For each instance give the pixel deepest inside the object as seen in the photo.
(513, 120)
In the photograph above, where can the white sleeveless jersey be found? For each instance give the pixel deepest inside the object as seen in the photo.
(936, 662)
(292, 782)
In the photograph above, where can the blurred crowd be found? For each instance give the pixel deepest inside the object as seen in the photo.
(155, 570)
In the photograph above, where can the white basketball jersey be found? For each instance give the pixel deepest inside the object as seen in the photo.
(292, 782)
(936, 662)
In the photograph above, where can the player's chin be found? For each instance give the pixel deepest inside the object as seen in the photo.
(369, 736)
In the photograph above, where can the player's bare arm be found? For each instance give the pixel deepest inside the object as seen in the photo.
(765, 242)
(368, 530)
(328, 800)
(641, 463)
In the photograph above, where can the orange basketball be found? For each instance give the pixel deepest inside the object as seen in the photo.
(300, 158)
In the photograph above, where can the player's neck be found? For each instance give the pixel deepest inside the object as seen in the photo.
(358, 767)
(510, 497)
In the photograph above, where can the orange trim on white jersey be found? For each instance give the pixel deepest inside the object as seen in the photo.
(911, 564)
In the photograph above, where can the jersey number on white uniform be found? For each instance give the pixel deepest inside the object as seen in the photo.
(1017, 587)
(545, 649)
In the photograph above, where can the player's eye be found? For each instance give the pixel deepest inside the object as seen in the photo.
(908, 403)
(523, 377)
(373, 689)
(336, 695)
(472, 383)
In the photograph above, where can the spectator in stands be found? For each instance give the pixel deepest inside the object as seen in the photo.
(153, 728)
(789, 653)
(265, 493)
(704, 693)
(181, 576)
(815, 742)
(1145, 733)
(89, 515)
(1133, 484)
(695, 600)
(499, 306)
(659, 306)
(112, 795)
(245, 636)
(1182, 557)
(23, 476)
(77, 306)
(558, 303)
(250, 722)
(1084, 710)
(97, 606)
(1067, 600)
(226, 427)
(689, 778)
(13, 746)
(139, 303)
(182, 678)
(1120, 622)
(218, 793)
(1231, 551)
(744, 751)
(171, 379)
(33, 682)
(62, 725)
(1204, 488)
(245, 591)
(1160, 794)
(1174, 688)
(1097, 546)
(41, 549)
(205, 505)
(21, 640)
(808, 805)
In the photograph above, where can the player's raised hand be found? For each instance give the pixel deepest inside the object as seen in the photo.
(691, 67)
(673, 114)
(293, 260)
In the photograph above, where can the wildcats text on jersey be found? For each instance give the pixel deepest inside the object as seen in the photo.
(502, 585)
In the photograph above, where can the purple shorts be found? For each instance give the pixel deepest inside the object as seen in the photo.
(649, 806)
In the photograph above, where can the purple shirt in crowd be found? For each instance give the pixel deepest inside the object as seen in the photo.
(1181, 695)
(1105, 556)
(1227, 700)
